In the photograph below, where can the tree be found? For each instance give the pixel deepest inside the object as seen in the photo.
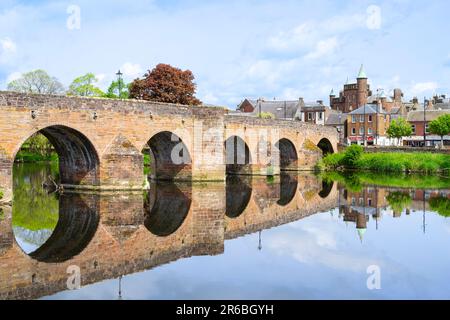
(84, 86)
(398, 129)
(441, 127)
(113, 90)
(37, 81)
(166, 84)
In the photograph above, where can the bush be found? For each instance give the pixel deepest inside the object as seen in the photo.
(266, 115)
(351, 155)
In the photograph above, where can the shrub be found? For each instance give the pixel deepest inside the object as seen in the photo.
(351, 155)
(266, 115)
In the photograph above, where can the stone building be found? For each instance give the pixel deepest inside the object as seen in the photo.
(367, 125)
(356, 95)
(420, 121)
(311, 112)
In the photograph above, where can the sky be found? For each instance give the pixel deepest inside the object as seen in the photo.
(236, 49)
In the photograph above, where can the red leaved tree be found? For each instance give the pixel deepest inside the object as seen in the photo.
(166, 84)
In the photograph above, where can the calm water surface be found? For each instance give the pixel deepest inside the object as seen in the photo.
(297, 236)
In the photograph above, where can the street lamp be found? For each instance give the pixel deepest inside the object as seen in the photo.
(119, 82)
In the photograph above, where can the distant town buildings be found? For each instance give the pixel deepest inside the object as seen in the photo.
(360, 115)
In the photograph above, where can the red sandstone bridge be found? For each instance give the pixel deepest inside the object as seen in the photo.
(100, 141)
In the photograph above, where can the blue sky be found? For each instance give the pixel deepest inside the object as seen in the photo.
(257, 48)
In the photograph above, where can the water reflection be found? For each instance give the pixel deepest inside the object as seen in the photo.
(166, 207)
(112, 235)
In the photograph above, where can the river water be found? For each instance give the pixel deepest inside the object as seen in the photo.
(298, 236)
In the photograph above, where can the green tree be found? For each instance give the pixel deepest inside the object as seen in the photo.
(118, 90)
(441, 127)
(84, 86)
(37, 81)
(398, 129)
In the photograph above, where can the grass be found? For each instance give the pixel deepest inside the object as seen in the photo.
(355, 159)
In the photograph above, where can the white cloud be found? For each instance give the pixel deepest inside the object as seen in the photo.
(423, 87)
(132, 70)
(8, 46)
(13, 76)
(323, 48)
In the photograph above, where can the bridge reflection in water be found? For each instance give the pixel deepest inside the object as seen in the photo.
(112, 234)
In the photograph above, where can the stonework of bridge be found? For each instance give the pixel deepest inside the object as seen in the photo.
(100, 141)
(113, 235)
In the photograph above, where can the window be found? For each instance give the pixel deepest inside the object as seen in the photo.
(361, 202)
(361, 118)
(361, 131)
(369, 201)
(353, 119)
(370, 118)
(353, 201)
(413, 127)
(310, 116)
(320, 115)
(427, 128)
(353, 131)
(369, 131)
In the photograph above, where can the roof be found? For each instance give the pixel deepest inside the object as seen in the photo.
(442, 106)
(336, 119)
(362, 73)
(417, 116)
(368, 109)
(278, 108)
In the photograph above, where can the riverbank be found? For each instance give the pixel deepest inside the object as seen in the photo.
(354, 158)
(24, 156)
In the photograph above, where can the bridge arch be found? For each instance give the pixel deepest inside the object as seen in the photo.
(238, 195)
(327, 186)
(78, 158)
(288, 155)
(326, 146)
(169, 157)
(237, 156)
(288, 189)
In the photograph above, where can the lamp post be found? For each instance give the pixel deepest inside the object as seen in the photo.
(119, 82)
(424, 122)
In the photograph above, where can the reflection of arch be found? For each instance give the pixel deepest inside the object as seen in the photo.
(78, 159)
(288, 154)
(326, 146)
(77, 224)
(237, 155)
(166, 208)
(327, 186)
(239, 192)
(288, 189)
(171, 157)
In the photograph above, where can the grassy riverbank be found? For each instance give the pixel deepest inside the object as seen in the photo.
(25, 156)
(355, 159)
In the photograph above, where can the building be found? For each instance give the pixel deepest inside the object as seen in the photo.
(367, 125)
(356, 95)
(312, 112)
(339, 121)
(420, 121)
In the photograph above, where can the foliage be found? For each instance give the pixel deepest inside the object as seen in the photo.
(398, 201)
(37, 81)
(36, 148)
(354, 158)
(441, 126)
(166, 84)
(1, 194)
(266, 115)
(351, 155)
(114, 92)
(399, 128)
(441, 205)
(34, 209)
(84, 86)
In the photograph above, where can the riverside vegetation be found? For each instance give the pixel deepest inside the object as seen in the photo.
(354, 158)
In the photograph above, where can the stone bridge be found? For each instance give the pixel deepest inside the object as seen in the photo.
(112, 235)
(100, 142)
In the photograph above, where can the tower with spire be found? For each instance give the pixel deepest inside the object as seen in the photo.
(361, 82)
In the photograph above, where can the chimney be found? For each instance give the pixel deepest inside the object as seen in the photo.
(398, 94)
